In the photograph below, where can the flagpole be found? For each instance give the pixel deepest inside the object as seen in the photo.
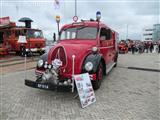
(75, 7)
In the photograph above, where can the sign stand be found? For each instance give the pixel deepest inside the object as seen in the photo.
(85, 89)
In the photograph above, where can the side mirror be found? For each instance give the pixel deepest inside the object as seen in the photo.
(108, 34)
(54, 37)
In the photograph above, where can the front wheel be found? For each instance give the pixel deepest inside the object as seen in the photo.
(22, 51)
(96, 84)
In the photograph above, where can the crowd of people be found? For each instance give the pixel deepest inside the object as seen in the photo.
(143, 47)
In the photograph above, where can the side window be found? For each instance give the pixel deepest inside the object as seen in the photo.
(105, 34)
(68, 34)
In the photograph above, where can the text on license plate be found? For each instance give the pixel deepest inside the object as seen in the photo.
(42, 86)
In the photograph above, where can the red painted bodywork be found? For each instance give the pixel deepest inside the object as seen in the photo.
(82, 48)
(10, 39)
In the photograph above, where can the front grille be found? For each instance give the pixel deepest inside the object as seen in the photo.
(59, 53)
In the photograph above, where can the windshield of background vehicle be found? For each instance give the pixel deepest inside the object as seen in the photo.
(34, 34)
(79, 33)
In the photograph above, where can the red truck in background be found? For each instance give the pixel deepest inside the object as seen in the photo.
(123, 47)
(83, 47)
(10, 34)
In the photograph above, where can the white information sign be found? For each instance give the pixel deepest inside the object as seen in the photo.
(22, 39)
(85, 89)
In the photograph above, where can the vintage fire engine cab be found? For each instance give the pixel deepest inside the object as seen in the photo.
(123, 47)
(20, 39)
(83, 47)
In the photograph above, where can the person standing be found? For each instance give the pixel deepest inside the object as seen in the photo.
(159, 47)
(151, 47)
(132, 48)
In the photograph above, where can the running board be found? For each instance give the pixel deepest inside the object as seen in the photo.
(110, 68)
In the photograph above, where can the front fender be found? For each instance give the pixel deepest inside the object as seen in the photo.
(95, 59)
(43, 57)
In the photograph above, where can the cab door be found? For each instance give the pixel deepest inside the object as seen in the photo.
(107, 46)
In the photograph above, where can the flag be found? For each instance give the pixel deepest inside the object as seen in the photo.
(57, 4)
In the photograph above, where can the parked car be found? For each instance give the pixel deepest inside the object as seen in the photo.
(123, 47)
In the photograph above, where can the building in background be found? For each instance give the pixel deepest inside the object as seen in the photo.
(147, 34)
(156, 32)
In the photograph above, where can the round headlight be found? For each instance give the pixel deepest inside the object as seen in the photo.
(40, 63)
(88, 66)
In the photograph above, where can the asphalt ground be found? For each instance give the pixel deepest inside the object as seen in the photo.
(125, 94)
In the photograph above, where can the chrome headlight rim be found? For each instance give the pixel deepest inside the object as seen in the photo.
(88, 66)
(40, 63)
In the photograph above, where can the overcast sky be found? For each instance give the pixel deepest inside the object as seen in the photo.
(115, 13)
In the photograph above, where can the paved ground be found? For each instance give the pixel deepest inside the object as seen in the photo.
(16, 63)
(124, 95)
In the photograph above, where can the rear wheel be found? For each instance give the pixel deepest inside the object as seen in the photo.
(96, 84)
(115, 60)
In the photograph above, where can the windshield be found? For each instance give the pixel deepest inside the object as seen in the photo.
(79, 33)
(34, 34)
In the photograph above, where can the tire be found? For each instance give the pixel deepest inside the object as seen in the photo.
(17, 53)
(96, 84)
(41, 52)
(115, 60)
(115, 65)
(22, 51)
(29, 54)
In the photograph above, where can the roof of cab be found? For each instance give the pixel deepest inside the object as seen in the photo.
(84, 23)
(20, 28)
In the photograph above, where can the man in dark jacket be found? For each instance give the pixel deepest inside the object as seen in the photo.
(151, 47)
(132, 48)
(159, 47)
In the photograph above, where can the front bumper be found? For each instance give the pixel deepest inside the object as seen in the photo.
(35, 49)
(47, 86)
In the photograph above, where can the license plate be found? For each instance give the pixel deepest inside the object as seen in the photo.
(42, 86)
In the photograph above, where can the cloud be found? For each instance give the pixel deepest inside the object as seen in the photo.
(115, 13)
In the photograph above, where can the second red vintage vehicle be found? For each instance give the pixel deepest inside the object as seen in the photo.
(20, 39)
(83, 47)
(123, 47)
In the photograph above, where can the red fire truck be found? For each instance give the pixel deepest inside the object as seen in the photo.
(123, 47)
(20, 39)
(83, 47)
